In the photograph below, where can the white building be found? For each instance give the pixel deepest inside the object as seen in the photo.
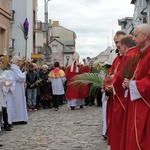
(139, 17)
(20, 10)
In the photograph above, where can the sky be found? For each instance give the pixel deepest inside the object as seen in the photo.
(94, 21)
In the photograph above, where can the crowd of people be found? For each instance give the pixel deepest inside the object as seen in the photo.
(125, 98)
(27, 87)
(126, 110)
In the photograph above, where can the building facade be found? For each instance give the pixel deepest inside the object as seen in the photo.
(61, 43)
(20, 10)
(4, 25)
(139, 17)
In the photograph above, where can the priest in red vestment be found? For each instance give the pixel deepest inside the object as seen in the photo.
(127, 65)
(112, 71)
(138, 124)
(73, 96)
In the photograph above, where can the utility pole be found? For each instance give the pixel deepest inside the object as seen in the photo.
(47, 53)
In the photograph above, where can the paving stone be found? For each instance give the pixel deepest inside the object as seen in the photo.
(65, 129)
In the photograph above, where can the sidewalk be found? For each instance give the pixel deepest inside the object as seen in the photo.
(66, 129)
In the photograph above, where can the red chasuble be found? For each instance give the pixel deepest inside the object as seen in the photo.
(126, 70)
(113, 70)
(72, 92)
(138, 124)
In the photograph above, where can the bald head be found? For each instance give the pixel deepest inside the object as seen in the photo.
(144, 28)
(142, 35)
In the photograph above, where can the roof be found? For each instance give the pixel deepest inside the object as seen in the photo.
(67, 42)
(64, 42)
(66, 45)
(68, 50)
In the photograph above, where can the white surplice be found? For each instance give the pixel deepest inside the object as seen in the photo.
(8, 93)
(19, 100)
(104, 104)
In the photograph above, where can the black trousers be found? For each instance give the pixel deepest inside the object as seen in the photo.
(5, 116)
(56, 100)
(99, 98)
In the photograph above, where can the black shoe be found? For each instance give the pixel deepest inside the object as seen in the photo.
(104, 137)
(10, 126)
(85, 104)
(7, 129)
(45, 107)
(81, 106)
(72, 108)
(91, 104)
(1, 145)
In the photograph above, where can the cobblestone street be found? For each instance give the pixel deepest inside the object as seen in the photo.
(47, 129)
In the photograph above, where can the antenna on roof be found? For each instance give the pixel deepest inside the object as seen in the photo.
(113, 47)
(108, 40)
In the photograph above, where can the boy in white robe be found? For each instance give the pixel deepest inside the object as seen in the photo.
(8, 89)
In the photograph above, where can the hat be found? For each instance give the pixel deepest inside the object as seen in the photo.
(75, 56)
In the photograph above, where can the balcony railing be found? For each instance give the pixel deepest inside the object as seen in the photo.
(44, 27)
(39, 50)
(11, 44)
(12, 12)
(38, 26)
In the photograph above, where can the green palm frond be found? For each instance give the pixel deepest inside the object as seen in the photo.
(22, 29)
(94, 81)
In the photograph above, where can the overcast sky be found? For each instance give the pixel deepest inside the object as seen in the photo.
(93, 21)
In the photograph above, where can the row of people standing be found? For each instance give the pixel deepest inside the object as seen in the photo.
(127, 114)
(45, 87)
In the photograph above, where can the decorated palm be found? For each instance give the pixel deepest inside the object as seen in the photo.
(25, 28)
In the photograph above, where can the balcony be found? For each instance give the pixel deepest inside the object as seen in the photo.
(12, 12)
(11, 44)
(39, 50)
(38, 26)
(44, 27)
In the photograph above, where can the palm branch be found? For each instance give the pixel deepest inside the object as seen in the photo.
(22, 28)
(128, 70)
(93, 80)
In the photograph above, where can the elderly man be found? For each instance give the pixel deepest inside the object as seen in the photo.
(19, 101)
(138, 123)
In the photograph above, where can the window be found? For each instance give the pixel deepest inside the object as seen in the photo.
(54, 48)
(54, 60)
(142, 2)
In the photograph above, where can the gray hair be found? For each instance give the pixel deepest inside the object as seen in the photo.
(144, 28)
(44, 66)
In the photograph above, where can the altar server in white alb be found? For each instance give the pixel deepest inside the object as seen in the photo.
(8, 92)
(20, 114)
